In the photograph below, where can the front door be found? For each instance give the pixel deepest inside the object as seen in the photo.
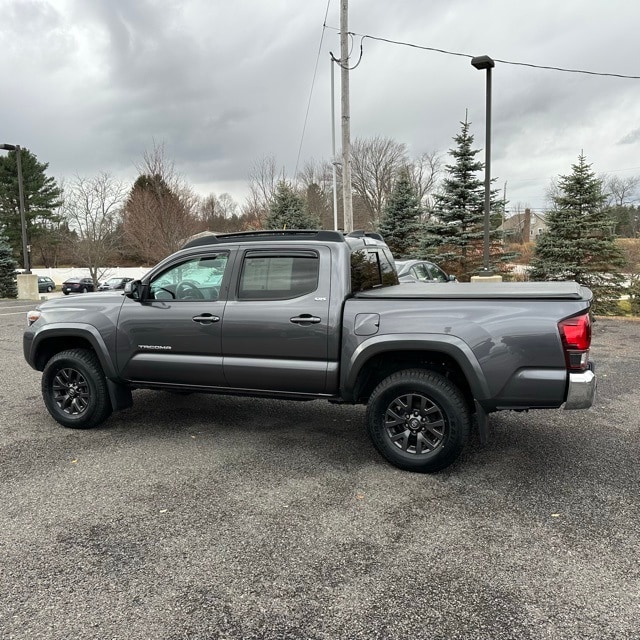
(173, 336)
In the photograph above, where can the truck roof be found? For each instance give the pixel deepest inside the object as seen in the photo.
(355, 238)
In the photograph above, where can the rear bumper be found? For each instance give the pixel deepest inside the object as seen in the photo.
(582, 389)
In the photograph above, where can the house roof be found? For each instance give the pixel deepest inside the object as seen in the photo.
(516, 222)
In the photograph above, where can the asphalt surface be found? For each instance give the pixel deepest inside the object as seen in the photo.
(197, 517)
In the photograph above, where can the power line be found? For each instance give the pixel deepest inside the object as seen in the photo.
(313, 82)
(467, 55)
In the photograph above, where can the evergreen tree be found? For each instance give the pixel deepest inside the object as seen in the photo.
(579, 243)
(454, 235)
(41, 198)
(288, 210)
(8, 266)
(400, 223)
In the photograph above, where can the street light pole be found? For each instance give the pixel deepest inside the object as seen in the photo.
(485, 62)
(23, 221)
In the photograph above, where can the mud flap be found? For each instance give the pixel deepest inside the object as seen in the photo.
(119, 395)
(482, 420)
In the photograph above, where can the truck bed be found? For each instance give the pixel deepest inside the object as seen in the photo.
(482, 290)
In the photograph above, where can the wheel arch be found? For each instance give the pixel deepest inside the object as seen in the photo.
(378, 358)
(54, 339)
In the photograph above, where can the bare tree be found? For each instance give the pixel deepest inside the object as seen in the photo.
(227, 206)
(425, 172)
(375, 162)
(621, 191)
(219, 213)
(160, 212)
(263, 180)
(316, 173)
(93, 209)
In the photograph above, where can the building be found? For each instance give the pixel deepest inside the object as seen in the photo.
(523, 227)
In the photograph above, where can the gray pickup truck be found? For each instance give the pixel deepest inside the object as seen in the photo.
(302, 315)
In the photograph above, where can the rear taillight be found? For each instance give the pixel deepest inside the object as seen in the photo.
(576, 340)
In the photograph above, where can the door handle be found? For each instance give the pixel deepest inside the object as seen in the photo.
(305, 319)
(206, 318)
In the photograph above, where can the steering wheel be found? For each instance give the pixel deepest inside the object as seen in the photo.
(188, 290)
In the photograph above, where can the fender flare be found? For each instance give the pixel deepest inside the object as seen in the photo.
(450, 345)
(75, 330)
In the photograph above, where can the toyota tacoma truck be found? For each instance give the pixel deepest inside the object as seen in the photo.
(302, 315)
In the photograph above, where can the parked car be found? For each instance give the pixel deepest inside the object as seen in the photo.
(421, 271)
(114, 283)
(77, 285)
(45, 284)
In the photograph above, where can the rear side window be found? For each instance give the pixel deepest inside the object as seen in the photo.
(278, 276)
(371, 268)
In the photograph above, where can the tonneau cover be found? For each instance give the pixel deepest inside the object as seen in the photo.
(482, 290)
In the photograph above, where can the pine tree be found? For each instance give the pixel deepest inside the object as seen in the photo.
(41, 198)
(401, 223)
(288, 210)
(454, 235)
(579, 243)
(8, 266)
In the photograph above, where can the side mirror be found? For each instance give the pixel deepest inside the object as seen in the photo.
(133, 290)
(453, 278)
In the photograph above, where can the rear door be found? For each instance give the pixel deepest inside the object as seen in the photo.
(275, 330)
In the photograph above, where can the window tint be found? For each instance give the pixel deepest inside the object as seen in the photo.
(195, 279)
(438, 274)
(278, 276)
(370, 269)
(420, 272)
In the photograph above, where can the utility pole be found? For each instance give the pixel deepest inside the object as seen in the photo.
(334, 160)
(346, 118)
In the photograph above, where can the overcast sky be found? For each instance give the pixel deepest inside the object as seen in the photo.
(88, 85)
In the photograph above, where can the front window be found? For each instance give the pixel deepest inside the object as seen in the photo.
(195, 279)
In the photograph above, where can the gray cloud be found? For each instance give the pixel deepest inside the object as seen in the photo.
(631, 137)
(89, 85)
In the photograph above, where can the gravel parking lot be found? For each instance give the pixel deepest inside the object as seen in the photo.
(197, 517)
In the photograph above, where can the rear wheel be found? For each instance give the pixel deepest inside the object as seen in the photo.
(74, 389)
(418, 420)
(84, 289)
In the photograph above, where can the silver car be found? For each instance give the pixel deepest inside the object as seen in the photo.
(421, 271)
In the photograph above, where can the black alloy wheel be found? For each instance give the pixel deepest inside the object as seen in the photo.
(71, 391)
(418, 420)
(414, 423)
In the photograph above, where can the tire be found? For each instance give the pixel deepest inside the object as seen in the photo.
(418, 420)
(49, 289)
(66, 293)
(74, 389)
(84, 289)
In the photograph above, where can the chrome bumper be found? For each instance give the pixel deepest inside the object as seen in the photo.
(582, 389)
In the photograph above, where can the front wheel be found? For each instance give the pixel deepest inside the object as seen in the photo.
(418, 420)
(74, 389)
